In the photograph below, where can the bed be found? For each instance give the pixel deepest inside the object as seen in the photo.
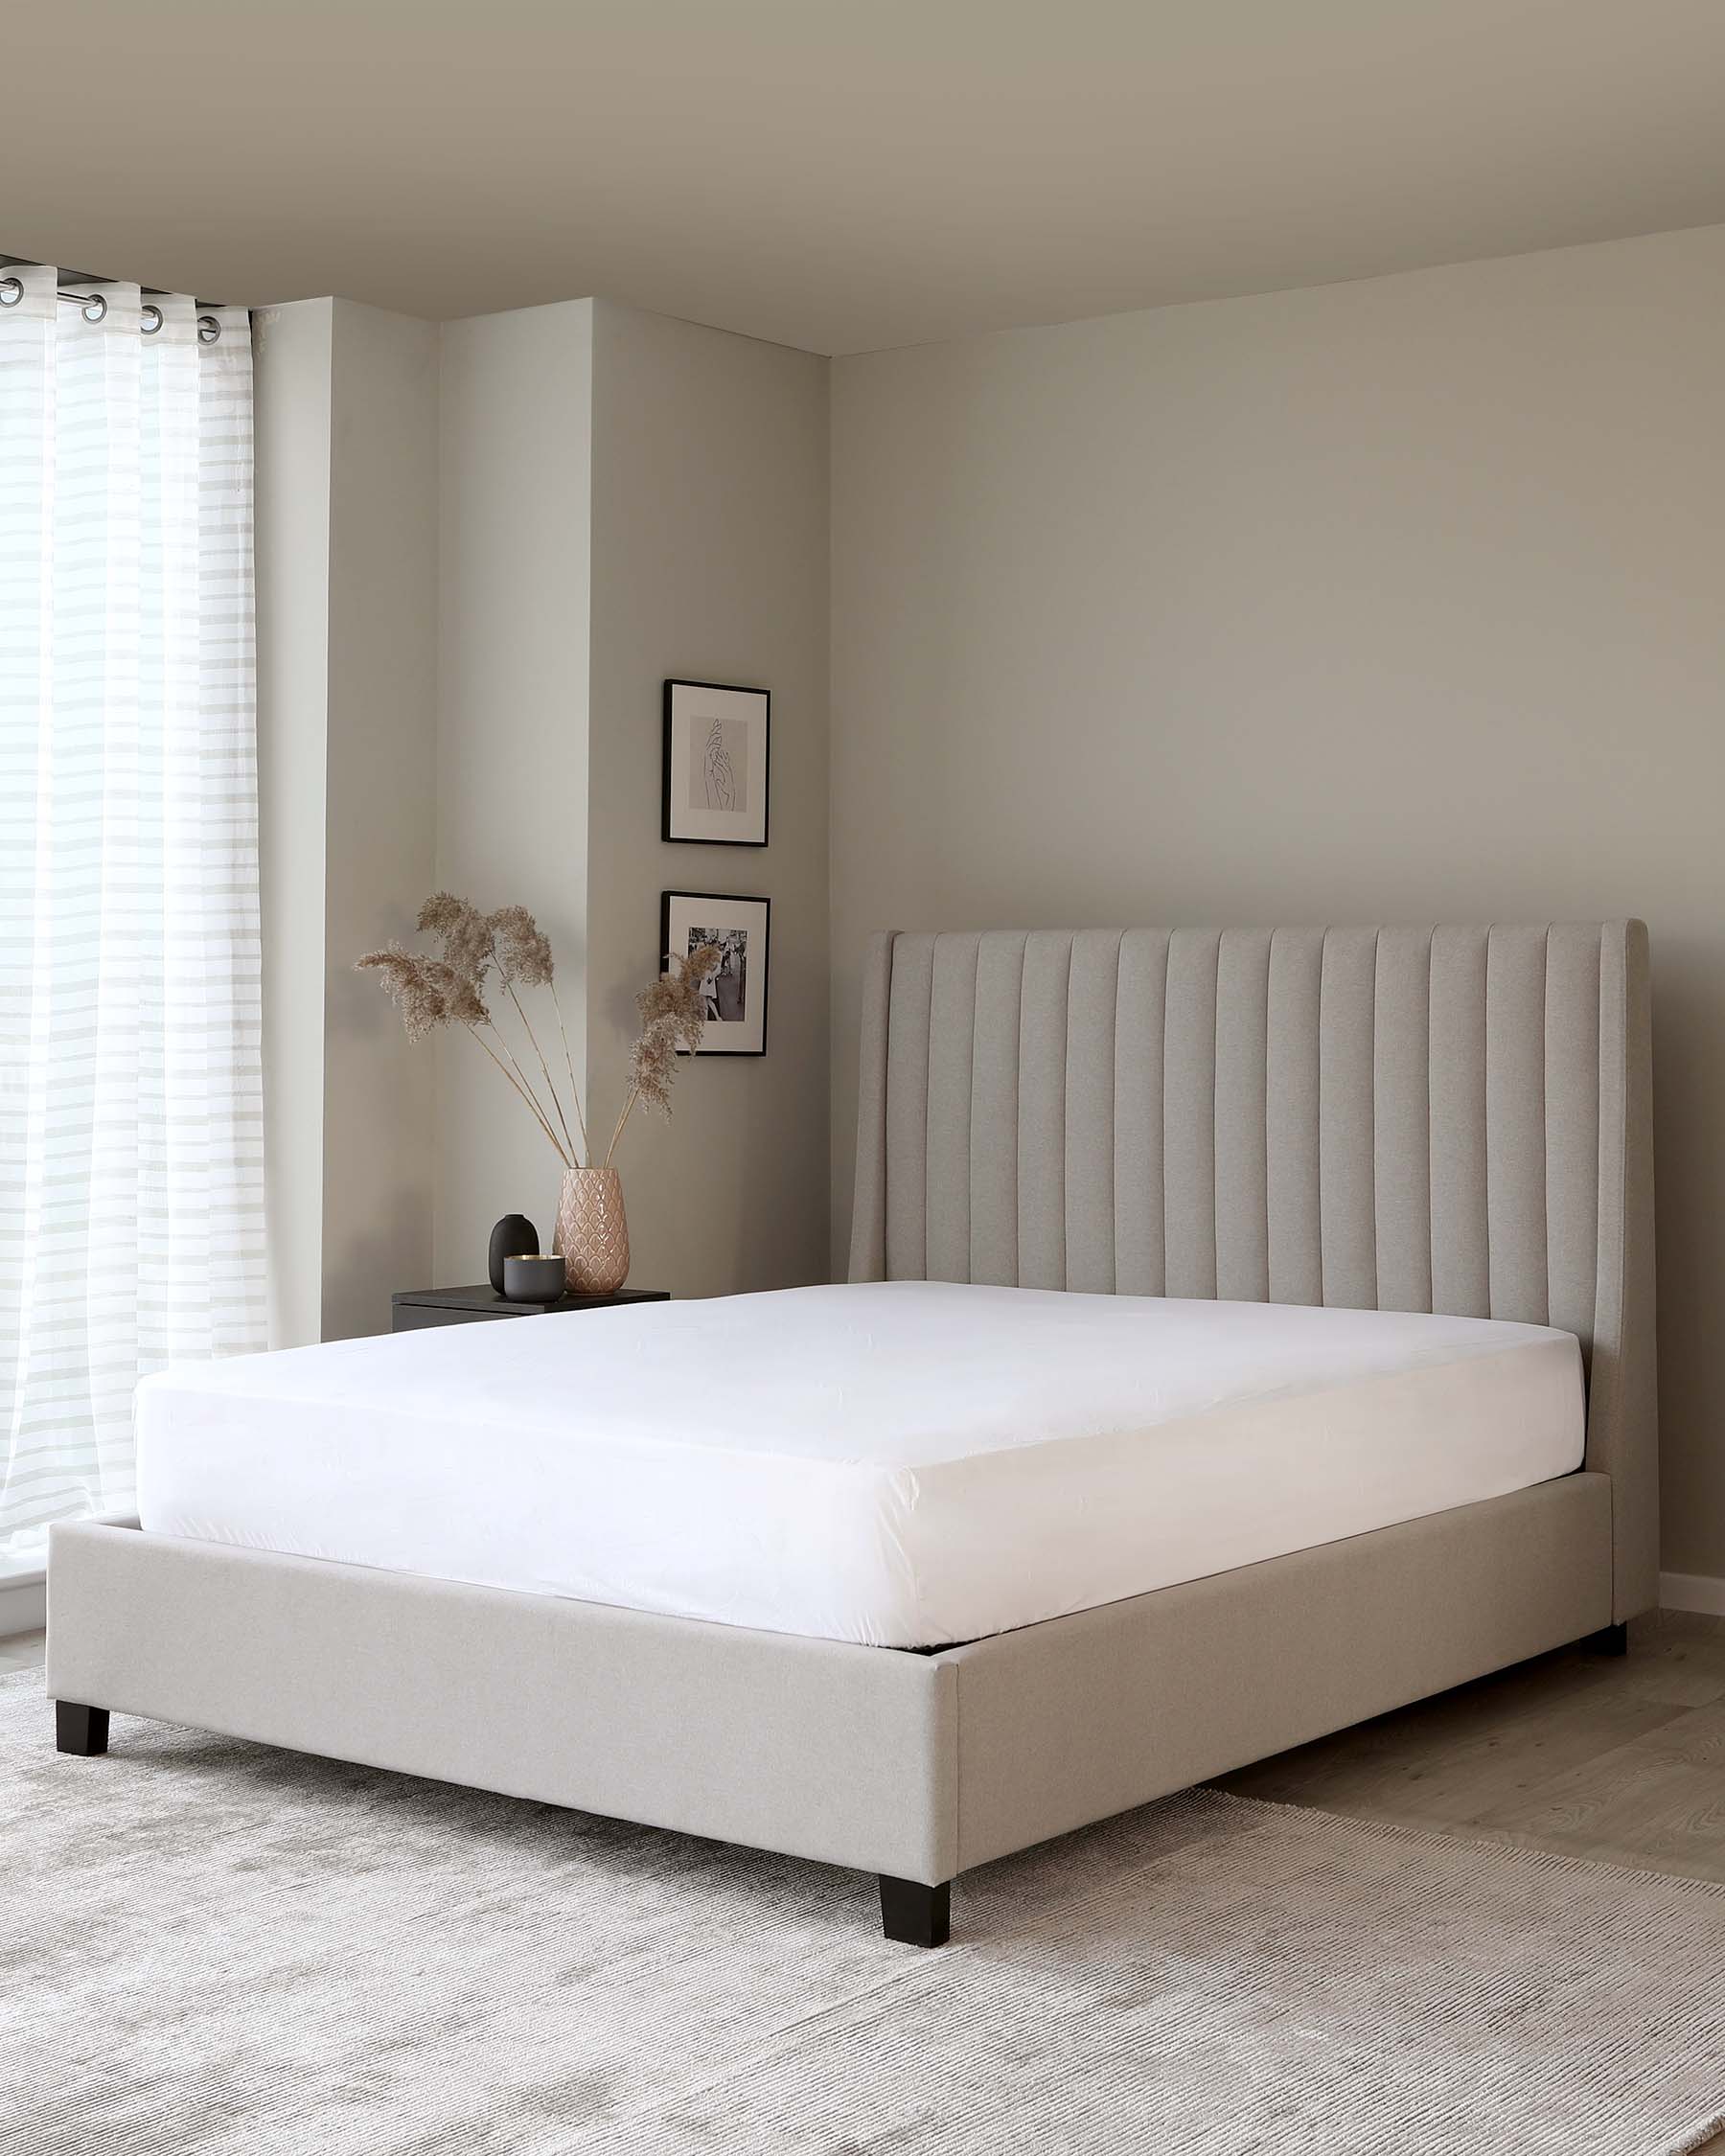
(1247, 1331)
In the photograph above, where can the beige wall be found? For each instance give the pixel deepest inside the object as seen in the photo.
(512, 750)
(290, 356)
(440, 527)
(383, 717)
(1399, 600)
(710, 560)
(346, 576)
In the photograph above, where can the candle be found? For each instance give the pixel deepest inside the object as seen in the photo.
(533, 1280)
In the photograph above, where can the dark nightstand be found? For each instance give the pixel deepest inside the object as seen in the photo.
(411, 1311)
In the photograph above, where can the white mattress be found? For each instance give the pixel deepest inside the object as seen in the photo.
(901, 1464)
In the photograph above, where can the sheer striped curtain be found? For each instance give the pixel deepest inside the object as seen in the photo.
(131, 1211)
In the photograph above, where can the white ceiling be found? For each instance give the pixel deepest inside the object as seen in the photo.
(843, 174)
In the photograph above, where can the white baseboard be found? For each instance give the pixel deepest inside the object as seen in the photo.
(1700, 1591)
(23, 1602)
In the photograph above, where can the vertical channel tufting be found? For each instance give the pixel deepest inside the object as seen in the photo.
(1043, 1111)
(1092, 1007)
(1515, 1123)
(868, 1206)
(952, 1059)
(1348, 1221)
(1397, 1118)
(1189, 1113)
(1140, 1028)
(994, 1112)
(1242, 1135)
(1461, 1268)
(908, 1105)
(1291, 1177)
(1401, 1120)
(1573, 1127)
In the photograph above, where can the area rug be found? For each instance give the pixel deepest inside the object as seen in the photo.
(211, 1946)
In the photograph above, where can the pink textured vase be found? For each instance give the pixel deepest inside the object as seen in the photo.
(592, 1231)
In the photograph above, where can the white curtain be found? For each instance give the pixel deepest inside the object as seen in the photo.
(131, 1206)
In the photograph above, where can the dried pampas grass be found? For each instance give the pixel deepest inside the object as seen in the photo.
(422, 1000)
(450, 989)
(523, 953)
(673, 1016)
(511, 948)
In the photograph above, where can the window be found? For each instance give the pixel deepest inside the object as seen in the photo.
(131, 1211)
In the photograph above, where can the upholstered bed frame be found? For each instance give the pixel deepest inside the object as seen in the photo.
(1454, 1119)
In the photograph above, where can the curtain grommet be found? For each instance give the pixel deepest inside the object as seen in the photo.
(208, 328)
(11, 291)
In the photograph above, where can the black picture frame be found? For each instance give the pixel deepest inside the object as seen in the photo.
(722, 902)
(683, 838)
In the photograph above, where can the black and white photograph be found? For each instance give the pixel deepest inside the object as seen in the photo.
(734, 992)
(717, 764)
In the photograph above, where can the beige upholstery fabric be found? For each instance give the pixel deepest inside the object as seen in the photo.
(812, 1747)
(917, 1765)
(1455, 1119)
(1071, 1721)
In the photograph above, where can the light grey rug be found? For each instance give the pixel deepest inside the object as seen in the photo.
(209, 1946)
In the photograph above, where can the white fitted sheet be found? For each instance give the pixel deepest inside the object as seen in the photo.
(904, 1463)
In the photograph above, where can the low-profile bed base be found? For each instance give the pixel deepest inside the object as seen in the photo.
(1452, 1119)
(913, 1766)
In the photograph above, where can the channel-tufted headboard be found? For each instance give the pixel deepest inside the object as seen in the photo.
(1455, 1119)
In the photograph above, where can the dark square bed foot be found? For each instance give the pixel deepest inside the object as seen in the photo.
(914, 1915)
(79, 1729)
(1613, 1640)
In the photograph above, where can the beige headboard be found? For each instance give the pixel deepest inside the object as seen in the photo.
(1454, 1119)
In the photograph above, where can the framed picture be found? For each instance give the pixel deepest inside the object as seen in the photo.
(717, 758)
(736, 993)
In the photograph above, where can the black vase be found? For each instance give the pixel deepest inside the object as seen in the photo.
(513, 1236)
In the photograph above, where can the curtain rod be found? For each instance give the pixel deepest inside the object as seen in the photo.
(95, 308)
(93, 303)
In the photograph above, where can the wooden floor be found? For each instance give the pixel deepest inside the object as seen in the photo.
(1621, 1761)
(21, 1650)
